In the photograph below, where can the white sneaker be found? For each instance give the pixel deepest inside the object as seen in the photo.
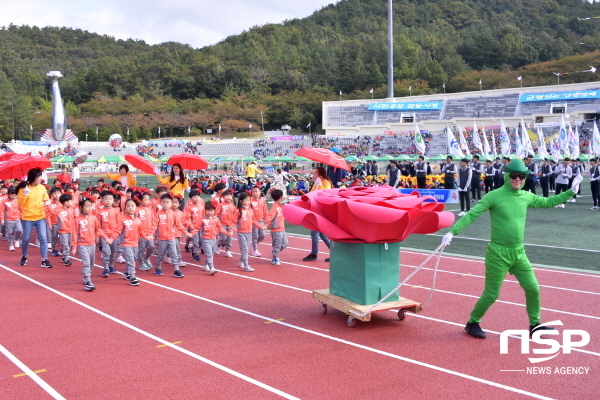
(228, 254)
(594, 208)
(11, 248)
(255, 254)
(460, 214)
(206, 267)
(560, 206)
(182, 264)
(121, 260)
(248, 268)
(213, 271)
(168, 260)
(49, 246)
(218, 251)
(17, 244)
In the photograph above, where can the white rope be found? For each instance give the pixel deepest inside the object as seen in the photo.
(437, 252)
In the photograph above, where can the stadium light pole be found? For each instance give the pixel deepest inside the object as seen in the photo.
(390, 50)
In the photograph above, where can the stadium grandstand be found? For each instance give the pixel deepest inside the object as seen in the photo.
(385, 127)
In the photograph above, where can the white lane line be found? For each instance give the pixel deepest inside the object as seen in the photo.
(465, 258)
(420, 287)
(275, 321)
(416, 315)
(153, 337)
(42, 383)
(440, 270)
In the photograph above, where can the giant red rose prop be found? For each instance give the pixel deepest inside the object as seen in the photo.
(368, 214)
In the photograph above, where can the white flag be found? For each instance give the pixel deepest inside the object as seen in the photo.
(562, 136)
(96, 131)
(573, 142)
(504, 140)
(159, 130)
(519, 150)
(410, 87)
(595, 142)
(486, 144)
(463, 143)
(555, 149)
(520, 78)
(480, 81)
(127, 131)
(249, 126)
(453, 148)
(340, 92)
(219, 127)
(494, 149)
(476, 139)
(419, 143)
(592, 70)
(371, 91)
(526, 141)
(541, 144)
(308, 126)
(444, 85)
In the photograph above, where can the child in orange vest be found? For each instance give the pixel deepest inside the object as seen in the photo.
(226, 212)
(246, 222)
(259, 206)
(109, 218)
(132, 231)
(194, 211)
(65, 217)
(166, 226)
(10, 217)
(179, 234)
(276, 223)
(86, 231)
(51, 221)
(146, 217)
(210, 228)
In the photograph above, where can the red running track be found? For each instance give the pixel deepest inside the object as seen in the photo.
(260, 335)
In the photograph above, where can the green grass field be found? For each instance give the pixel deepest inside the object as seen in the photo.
(556, 237)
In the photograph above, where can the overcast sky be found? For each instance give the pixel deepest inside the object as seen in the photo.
(195, 22)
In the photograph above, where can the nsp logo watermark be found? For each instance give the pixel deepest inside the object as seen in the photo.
(570, 338)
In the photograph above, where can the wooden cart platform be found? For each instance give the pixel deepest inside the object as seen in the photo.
(344, 305)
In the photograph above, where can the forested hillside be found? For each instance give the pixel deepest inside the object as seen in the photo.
(287, 69)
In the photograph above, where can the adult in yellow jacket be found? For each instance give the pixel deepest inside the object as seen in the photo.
(176, 183)
(127, 179)
(33, 198)
(251, 171)
(320, 182)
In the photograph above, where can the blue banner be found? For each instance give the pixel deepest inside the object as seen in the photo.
(425, 106)
(441, 195)
(583, 94)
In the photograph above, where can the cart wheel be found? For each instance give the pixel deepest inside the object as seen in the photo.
(401, 314)
(351, 322)
(323, 308)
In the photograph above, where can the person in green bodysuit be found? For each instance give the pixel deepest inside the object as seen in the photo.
(506, 253)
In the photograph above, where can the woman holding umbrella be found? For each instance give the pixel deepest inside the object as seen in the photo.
(32, 198)
(320, 182)
(124, 176)
(176, 183)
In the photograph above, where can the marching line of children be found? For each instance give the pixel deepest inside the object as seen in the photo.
(135, 226)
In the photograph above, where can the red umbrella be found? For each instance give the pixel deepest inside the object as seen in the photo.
(18, 166)
(188, 161)
(140, 163)
(323, 156)
(10, 154)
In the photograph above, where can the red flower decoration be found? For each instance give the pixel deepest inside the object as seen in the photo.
(368, 214)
